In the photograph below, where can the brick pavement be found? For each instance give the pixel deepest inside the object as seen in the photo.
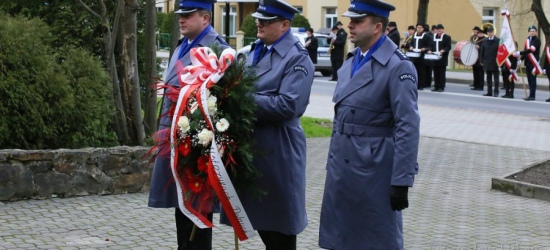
(452, 205)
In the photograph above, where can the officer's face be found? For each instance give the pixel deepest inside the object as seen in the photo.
(363, 32)
(533, 32)
(270, 30)
(192, 24)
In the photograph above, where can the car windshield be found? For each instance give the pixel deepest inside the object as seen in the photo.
(322, 41)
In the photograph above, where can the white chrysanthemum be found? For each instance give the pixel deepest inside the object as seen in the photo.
(222, 125)
(212, 105)
(205, 137)
(183, 124)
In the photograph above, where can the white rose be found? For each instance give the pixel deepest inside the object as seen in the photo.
(183, 124)
(205, 137)
(222, 125)
(212, 105)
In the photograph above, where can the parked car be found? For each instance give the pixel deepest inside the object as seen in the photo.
(323, 57)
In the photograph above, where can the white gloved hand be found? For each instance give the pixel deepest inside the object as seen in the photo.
(516, 54)
(512, 71)
(519, 62)
(417, 50)
(544, 71)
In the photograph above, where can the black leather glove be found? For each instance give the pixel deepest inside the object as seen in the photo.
(399, 197)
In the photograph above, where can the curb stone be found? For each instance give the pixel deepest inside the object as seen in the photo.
(519, 188)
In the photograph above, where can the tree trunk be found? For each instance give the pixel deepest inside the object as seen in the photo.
(129, 77)
(175, 35)
(150, 121)
(544, 26)
(422, 12)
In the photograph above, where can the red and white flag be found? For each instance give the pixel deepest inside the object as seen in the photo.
(507, 45)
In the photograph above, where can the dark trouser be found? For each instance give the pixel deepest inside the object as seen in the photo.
(336, 64)
(202, 239)
(532, 79)
(277, 241)
(478, 77)
(439, 77)
(508, 85)
(490, 76)
(429, 70)
(420, 71)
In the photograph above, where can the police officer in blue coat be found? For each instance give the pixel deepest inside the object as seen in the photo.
(372, 157)
(194, 22)
(285, 74)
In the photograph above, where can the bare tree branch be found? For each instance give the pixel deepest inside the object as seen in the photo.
(89, 10)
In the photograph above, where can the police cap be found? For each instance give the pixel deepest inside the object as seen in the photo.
(190, 6)
(363, 8)
(272, 9)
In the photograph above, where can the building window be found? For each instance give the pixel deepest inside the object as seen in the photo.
(489, 15)
(331, 17)
(159, 9)
(232, 20)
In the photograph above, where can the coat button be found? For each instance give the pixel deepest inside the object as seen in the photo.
(330, 155)
(346, 160)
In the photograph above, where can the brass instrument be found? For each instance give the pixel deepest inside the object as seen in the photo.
(404, 47)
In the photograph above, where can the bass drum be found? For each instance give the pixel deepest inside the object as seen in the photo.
(465, 53)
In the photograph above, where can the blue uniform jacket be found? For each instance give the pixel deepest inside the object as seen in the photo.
(282, 95)
(163, 193)
(374, 145)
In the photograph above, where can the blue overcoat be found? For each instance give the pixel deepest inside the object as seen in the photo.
(162, 193)
(282, 95)
(374, 145)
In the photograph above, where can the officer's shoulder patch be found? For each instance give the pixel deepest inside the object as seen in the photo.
(301, 68)
(401, 55)
(407, 76)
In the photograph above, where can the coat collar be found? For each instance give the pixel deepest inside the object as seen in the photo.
(281, 48)
(364, 76)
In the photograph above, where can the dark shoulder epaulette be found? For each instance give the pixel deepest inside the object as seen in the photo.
(401, 55)
(349, 55)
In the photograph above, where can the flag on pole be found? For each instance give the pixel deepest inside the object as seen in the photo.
(507, 45)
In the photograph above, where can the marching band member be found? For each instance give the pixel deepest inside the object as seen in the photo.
(441, 45)
(419, 44)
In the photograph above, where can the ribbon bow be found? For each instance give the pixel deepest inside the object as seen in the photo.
(205, 65)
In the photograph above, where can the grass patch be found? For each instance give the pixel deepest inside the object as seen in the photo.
(316, 127)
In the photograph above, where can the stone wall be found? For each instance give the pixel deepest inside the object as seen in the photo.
(41, 174)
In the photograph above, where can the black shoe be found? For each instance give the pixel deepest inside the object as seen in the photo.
(547, 100)
(529, 98)
(495, 94)
(434, 90)
(479, 89)
(511, 96)
(439, 90)
(471, 85)
(505, 96)
(488, 94)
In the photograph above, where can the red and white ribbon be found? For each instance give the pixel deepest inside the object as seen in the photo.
(205, 71)
(513, 74)
(537, 70)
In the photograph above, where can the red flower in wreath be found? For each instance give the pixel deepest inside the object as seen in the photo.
(184, 146)
(203, 163)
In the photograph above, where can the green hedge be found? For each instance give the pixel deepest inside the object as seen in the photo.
(51, 98)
